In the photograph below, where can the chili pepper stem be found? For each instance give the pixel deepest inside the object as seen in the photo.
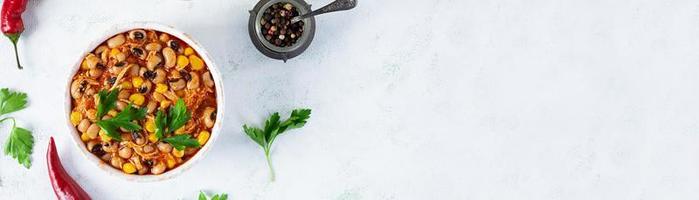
(14, 38)
(269, 163)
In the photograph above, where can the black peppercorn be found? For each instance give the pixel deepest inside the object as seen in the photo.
(276, 24)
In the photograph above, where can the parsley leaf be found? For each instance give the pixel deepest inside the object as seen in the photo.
(182, 141)
(12, 101)
(273, 127)
(20, 142)
(160, 124)
(178, 116)
(223, 196)
(107, 101)
(19, 145)
(122, 120)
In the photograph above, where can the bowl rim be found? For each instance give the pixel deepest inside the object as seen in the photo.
(215, 74)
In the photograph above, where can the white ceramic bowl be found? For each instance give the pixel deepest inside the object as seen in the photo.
(216, 130)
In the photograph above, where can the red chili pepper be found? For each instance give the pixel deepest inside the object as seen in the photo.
(63, 185)
(11, 22)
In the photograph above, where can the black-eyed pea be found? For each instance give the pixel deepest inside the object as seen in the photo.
(133, 70)
(145, 87)
(143, 171)
(116, 41)
(101, 49)
(95, 73)
(171, 96)
(209, 116)
(158, 168)
(148, 148)
(110, 147)
(164, 147)
(137, 35)
(170, 57)
(116, 162)
(91, 144)
(175, 45)
(164, 37)
(125, 152)
(177, 84)
(120, 105)
(158, 97)
(90, 91)
(160, 76)
(77, 88)
(138, 52)
(208, 81)
(124, 95)
(190, 151)
(154, 46)
(83, 125)
(153, 60)
(150, 108)
(193, 82)
(92, 131)
(90, 61)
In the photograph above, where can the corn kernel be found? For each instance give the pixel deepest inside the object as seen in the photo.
(126, 85)
(137, 99)
(75, 118)
(84, 64)
(182, 62)
(164, 104)
(114, 52)
(203, 137)
(104, 136)
(180, 131)
(137, 81)
(152, 137)
(170, 161)
(112, 113)
(188, 51)
(178, 153)
(84, 137)
(150, 126)
(160, 88)
(197, 63)
(128, 168)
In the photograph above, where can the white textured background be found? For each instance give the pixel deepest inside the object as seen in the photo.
(438, 99)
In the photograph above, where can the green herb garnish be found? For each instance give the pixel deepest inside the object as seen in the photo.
(273, 127)
(177, 117)
(122, 120)
(182, 141)
(20, 142)
(160, 124)
(223, 196)
(107, 101)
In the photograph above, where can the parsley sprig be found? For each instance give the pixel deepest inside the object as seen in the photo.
(175, 119)
(107, 101)
(223, 196)
(20, 142)
(122, 120)
(273, 127)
